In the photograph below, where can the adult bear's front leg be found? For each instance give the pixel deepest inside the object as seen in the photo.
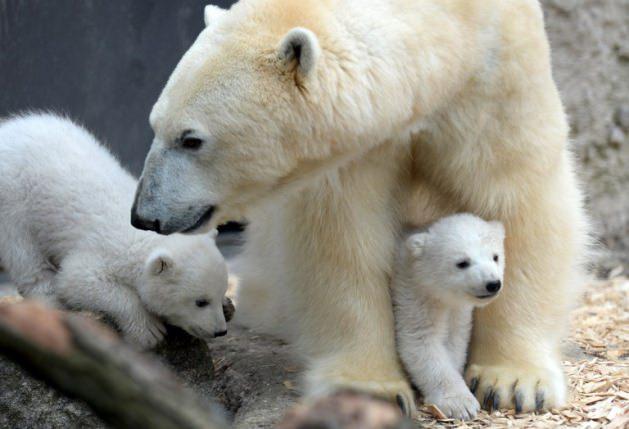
(515, 359)
(340, 239)
(347, 334)
(323, 285)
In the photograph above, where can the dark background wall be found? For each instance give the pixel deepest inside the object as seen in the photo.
(102, 62)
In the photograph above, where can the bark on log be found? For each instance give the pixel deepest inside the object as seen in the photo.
(84, 359)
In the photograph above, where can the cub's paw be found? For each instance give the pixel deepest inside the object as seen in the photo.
(396, 391)
(460, 405)
(522, 388)
(146, 331)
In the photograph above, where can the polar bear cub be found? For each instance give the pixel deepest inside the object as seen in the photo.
(441, 274)
(65, 236)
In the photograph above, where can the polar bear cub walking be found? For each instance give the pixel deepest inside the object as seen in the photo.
(65, 235)
(441, 274)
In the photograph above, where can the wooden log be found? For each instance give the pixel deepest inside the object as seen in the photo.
(84, 359)
(347, 410)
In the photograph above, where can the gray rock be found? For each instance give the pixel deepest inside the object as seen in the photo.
(254, 379)
(587, 38)
(622, 117)
(29, 403)
(616, 138)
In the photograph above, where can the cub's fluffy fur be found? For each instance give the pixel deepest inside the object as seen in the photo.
(440, 276)
(66, 237)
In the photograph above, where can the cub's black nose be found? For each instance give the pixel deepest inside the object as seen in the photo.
(220, 334)
(144, 224)
(493, 287)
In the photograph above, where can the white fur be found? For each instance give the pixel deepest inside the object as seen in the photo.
(433, 301)
(212, 14)
(66, 236)
(413, 110)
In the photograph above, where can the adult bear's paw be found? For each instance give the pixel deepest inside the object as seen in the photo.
(396, 389)
(522, 388)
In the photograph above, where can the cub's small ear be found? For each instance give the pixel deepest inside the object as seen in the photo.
(301, 45)
(416, 242)
(159, 262)
(498, 228)
(212, 14)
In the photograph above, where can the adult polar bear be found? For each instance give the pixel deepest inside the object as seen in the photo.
(358, 116)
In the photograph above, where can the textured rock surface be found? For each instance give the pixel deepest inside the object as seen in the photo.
(590, 42)
(252, 376)
(255, 378)
(28, 403)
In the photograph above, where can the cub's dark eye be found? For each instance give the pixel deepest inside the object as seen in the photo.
(191, 143)
(201, 303)
(463, 264)
(495, 258)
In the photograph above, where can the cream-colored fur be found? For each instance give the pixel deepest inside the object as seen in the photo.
(328, 124)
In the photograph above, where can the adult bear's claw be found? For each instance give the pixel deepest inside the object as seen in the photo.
(525, 389)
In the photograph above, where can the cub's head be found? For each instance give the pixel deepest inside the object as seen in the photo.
(460, 258)
(184, 280)
(256, 107)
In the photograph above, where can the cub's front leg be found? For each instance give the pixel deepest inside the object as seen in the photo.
(432, 370)
(460, 328)
(82, 284)
(430, 364)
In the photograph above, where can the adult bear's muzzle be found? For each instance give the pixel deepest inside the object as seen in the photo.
(141, 220)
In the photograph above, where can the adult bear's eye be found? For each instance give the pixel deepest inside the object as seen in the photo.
(495, 258)
(189, 141)
(201, 303)
(465, 263)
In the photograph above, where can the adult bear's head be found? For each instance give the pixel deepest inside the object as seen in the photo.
(271, 93)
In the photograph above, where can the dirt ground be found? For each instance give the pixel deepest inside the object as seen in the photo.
(596, 362)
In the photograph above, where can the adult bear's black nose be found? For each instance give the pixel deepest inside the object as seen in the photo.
(493, 287)
(144, 224)
(220, 334)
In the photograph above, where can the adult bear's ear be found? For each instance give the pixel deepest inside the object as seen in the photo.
(300, 45)
(211, 14)
(416, 242)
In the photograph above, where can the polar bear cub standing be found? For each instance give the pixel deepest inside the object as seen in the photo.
(65, 235)
(441, 275)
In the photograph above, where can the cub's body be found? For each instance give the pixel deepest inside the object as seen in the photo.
(65, 236)
(440, 276)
